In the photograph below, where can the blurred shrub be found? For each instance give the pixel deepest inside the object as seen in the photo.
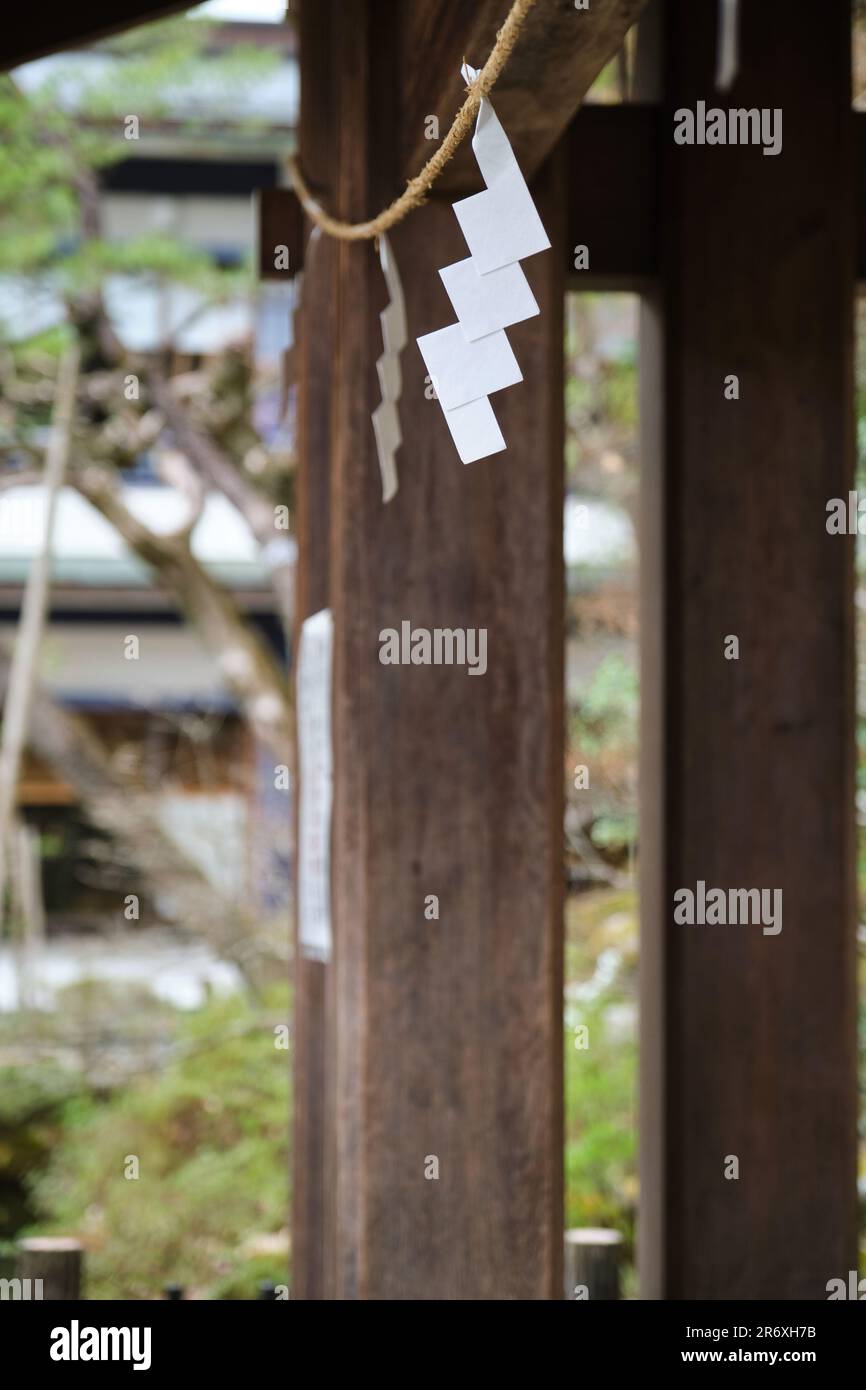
(211, 1135)
(601, 1078)
(32, 1100)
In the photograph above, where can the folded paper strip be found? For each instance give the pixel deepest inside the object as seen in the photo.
(395, 335)
(470, 360)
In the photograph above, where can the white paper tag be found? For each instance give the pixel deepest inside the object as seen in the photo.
(315, 772)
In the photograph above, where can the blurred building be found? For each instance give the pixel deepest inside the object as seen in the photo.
(171, 710)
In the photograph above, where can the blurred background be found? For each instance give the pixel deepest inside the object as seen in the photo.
(145, 949)
(145, 943)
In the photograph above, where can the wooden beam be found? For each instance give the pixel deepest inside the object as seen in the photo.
(313, 1244)
(613, 201)
(612, 191)
(560, 52)
(37, 32)
(749, 1039)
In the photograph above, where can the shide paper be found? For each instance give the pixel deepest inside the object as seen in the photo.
(395, 335)
(472, 358)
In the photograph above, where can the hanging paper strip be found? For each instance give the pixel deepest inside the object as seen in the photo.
(472, 359)
(315, 771)
(395, 335)
(728, 50)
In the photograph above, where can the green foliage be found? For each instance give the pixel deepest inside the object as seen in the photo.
(28, 1093)
(211, 1133)
(601, 395)
(55, 137)
(608, 708)
(603, 726)
(32, 1099)
(600, 1182)
(158, 257)
(601, 1079)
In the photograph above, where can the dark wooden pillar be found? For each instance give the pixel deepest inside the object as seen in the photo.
(316, 325)
(749, 1039)
(446, 1034)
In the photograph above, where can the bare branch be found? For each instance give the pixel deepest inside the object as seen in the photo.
(16, 708)
(221, 470)
(245, 662)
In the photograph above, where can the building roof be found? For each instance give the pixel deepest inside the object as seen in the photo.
(89, 552)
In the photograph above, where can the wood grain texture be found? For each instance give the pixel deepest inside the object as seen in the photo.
(755, 1041)
(445, 1038)
(313, 1246)
(279, 222)
(558, 56)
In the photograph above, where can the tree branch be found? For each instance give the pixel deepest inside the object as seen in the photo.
(245, 661)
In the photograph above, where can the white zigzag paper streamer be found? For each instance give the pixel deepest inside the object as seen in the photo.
(395, 336)
(472, 358)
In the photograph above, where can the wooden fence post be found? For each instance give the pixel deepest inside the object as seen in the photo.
(592, 1261)
(57, 1261)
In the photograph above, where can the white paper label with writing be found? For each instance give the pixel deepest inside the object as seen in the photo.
(315, 759)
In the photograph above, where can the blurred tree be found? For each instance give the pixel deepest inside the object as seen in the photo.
(55, 140)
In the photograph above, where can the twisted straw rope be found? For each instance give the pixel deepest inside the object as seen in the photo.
(414, 193)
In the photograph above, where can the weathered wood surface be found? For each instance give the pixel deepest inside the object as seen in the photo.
(749, 1039)
(57, 1261)
(313, 1244)
(593, 1261)
(444, 1037)
(560, 52)
(279, 222)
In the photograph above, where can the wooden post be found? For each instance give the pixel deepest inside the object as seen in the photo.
(57, 1261)
(444, 1036)
(592, 1262)
(279, 224)
(749, 1038)
(313, 1245)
